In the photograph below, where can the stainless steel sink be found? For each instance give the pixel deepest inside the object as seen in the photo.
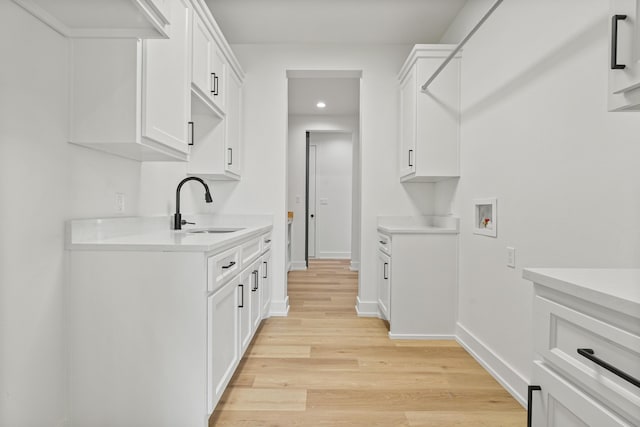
(214, 230)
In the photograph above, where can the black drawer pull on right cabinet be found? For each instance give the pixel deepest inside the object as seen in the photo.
(614, 42)
(589, 354)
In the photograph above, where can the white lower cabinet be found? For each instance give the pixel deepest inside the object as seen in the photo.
(222, 342)
(417, 284)
(155, 337)
(587, 352)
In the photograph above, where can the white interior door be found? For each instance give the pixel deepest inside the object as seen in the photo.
(312, 202)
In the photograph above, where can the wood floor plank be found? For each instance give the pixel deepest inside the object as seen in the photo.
(324, 366)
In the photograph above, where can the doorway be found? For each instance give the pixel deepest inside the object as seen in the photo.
(318, 229)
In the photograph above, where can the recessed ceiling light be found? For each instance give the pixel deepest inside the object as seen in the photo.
(321, 104)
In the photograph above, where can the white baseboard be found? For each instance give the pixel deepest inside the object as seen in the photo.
(298, 266)
(367, 308)
(420, 337)
(508, 377)
(355, 266)
(279, 308)
(333, 255)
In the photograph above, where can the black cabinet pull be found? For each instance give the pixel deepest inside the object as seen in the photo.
(382, 242)
(255, 278)
(266, 267)
(614, 42)
(241, 296)
(410, 158)
(530, 390)
(231, 264)
(230, 162)
(267, 240)
(589, 354)
(384, 268)
(215, 85)
(190, 124)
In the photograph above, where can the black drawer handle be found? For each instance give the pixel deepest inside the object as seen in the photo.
(530, 390)
(191, 126)
(231, 264)
(267, 240)
(410, 158)
(241, 296)
(386, 274)
(230, 151)
(589, 354)
(255, 282)
(266, 269)
(614, 42)
(382, 242)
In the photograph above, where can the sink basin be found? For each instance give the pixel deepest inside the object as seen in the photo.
(214, 230)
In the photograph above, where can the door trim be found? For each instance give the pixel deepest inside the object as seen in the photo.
(306, 204)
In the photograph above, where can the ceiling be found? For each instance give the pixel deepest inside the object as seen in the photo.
(334, 21)
(341, 95)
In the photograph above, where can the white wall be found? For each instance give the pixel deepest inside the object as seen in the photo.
(266, 136)
(536, 134)
(334, 152)
(298, 125)
(43, 182)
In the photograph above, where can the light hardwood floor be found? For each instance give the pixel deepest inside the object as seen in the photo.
(324, 366)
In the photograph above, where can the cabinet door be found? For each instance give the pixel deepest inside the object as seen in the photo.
(218, 71)
(384, 284)
(166, 102)
(222, 345)
(256, 292)
(562, 404)
(201, 76)
(624, 72)
(266, 283)
(407, 155)
(234, 126)
(244, 313)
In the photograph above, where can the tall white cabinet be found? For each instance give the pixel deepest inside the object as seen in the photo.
(429, 119)
(624, 67)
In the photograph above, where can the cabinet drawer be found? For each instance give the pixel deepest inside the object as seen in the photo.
(222, 267)
(384, 243)
(266, 242)
(250, 251)
(561, 404)
(562, 330)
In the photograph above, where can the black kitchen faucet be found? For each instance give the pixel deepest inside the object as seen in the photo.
(178, 222)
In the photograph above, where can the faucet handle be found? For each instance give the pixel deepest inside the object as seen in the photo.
(185, 222)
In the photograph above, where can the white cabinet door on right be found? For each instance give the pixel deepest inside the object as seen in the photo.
(244, 313)
(624, 70)
(234, 126)
(384, 284)
(266, 283)
(202, 41)
(407, 153)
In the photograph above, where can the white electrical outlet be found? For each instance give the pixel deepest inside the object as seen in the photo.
(119, 202)
(511, 257)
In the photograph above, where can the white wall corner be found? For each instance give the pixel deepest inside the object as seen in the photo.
(298, 266)
(355, 265)
(279, 308)
(508, 377)
(367, 308)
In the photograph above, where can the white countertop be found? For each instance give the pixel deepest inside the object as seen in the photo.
(426, 224)
(155, 234)
(618, 289)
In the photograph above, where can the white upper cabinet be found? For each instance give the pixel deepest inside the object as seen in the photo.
(103, 18)
(429, 120)
(131, 97)
(624, 69)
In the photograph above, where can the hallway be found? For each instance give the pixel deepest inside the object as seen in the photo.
(324, 366)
